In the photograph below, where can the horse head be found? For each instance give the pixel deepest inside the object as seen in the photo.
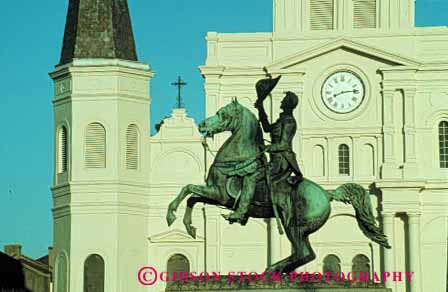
(227, 118)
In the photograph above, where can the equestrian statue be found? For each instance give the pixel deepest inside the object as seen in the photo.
(242, 180)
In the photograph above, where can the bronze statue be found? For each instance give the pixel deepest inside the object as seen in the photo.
(241, 170)
(283, 160)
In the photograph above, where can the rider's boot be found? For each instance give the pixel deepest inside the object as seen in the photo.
(247, 193)
(240, 215)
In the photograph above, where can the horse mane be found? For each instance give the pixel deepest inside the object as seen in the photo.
(253, 119)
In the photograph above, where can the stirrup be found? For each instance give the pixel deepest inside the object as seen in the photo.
(294, 180)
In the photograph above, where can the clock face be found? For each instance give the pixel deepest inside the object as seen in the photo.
(343, 91)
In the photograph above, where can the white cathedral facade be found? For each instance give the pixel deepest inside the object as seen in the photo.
(113, 182)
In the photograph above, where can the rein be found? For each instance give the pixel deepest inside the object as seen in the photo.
(237, 124)
(232, 163)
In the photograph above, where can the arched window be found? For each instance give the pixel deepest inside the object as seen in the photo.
(132, 147)
(95, 146)
(318, 161)
(367, 163)
(61, 273)
(176, 264)
(443, 144)
(62, 150)
(94, 274)
(344, 159)
(360, 263)
(332, 264)
(322, 14)
(364, 13)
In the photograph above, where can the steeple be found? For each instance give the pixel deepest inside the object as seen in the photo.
(98, 29)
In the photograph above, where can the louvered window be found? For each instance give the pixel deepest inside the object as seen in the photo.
(364, 13)
(443, 144)
(344, 159)
(322, 14)
(95, 146)
(132, 147)
(62, 150)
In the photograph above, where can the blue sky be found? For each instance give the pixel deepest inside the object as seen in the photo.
(170, 36)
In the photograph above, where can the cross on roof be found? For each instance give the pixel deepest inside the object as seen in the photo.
(179, 83)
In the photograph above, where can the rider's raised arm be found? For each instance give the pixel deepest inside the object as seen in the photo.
(262, 116)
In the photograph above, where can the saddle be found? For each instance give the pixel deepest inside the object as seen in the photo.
(236, 171)
(234, 186)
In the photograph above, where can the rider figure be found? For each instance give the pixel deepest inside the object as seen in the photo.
(283, 160)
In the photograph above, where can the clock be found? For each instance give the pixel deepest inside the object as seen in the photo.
(343, 92)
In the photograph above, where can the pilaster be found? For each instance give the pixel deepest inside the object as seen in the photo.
(410, 166)
(389, 168)
(339, 15)
(384, 14)
(212, 49)
(212, 87)
(389, 257)
(414, 250)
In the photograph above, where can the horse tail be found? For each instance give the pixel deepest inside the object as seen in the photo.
(359, 198)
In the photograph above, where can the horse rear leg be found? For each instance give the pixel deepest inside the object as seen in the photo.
(210, 192)
(293, 234)
(302, 254)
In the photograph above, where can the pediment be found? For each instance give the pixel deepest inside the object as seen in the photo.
(174, 236)
(342, 44)
(178, 127)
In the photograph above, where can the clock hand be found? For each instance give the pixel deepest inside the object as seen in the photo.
(346, 91)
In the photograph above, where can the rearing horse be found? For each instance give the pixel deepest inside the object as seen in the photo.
(304, 208)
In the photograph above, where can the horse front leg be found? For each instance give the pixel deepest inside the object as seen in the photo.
(206, 191)
(193, 200)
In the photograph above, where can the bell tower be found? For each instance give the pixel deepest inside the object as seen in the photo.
(302, 16)
(101, 112)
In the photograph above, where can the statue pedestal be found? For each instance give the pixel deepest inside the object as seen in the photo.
(245, 285)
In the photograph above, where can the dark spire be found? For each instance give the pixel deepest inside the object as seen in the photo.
(98, 29)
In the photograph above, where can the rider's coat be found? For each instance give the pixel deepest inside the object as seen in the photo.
(283, 159)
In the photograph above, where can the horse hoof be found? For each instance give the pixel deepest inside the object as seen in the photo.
(170, 218)
(192, 231)
(234, 219)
